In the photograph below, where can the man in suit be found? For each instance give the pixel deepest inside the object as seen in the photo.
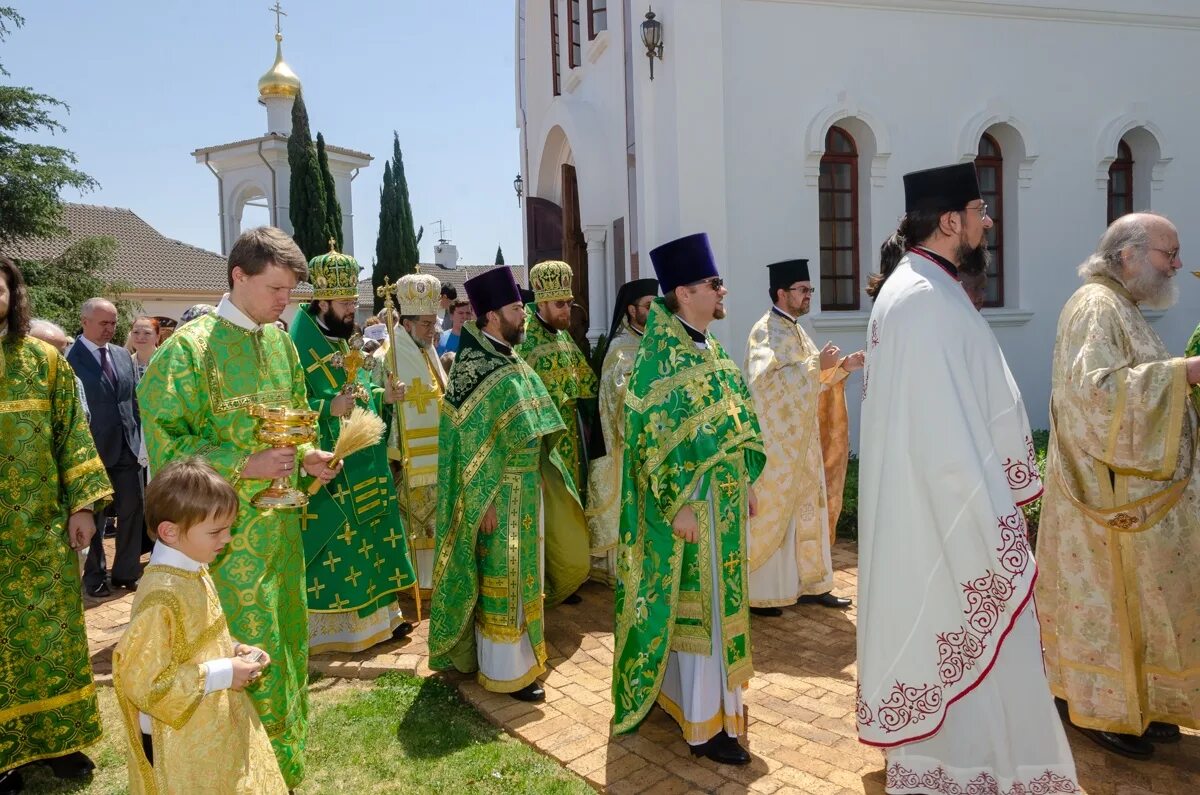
(109, 380)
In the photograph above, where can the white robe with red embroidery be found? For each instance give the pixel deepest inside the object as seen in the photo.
(945, 569)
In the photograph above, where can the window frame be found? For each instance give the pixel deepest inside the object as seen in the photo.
(1123, 163)
(995, 203)
(574, 31)
(828, 303)
(555, 56)
(592, 11)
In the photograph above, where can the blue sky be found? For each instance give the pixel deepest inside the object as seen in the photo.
(148, 81)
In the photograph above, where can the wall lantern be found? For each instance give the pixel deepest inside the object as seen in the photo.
(652, 38)
(519, 187)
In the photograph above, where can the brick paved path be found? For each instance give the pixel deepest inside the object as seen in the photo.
(801, 704)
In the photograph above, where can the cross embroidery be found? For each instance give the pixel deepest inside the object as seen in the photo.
(304, 519)
(729, 486)
(341, 494)
(346, 534)
(316, 588)
(353, 576)
(365, 549)
(734, 413)
(338, 602)
(392, 538)
(319, 362)
(331, 561)
(397, 576)
(732, 563)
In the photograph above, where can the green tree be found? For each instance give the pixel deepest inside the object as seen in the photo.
(499, 256)
(333, 208)
(59, 286)
(31, 175)
(387, 252)
(409, 239)
(306, 191)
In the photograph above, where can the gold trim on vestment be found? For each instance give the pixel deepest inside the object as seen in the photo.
(511, 685)
(93, 464)
(38, 404)
(696, 733)
(47, 704)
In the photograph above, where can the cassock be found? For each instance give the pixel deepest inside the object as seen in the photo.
(1119, 540)
(195, 399)
(790, 537)
(48, 698)
(172, 676)
(951, 682)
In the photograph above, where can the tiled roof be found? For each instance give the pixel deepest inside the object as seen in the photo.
(456, 277)
(145, 258)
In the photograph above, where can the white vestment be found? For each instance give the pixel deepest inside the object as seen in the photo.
(948, 653)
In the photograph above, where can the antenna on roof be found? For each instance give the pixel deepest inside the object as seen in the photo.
(442, 230)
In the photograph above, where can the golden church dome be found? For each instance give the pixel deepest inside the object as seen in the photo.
(280, 80)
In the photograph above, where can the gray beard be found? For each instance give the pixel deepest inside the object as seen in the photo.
(1152, 290)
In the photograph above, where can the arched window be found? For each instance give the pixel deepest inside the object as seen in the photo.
(989, 164)
(1120, 183)
(838, 196)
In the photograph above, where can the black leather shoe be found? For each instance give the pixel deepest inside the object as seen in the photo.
(573, 599)
(1130, 745)
(128, 585)
(722, 749)
(769, 612)
(826, 599)
(99, 591)
(532, 692)
(1159, 732)
(403, 630)
(73, 766)
(11, 783)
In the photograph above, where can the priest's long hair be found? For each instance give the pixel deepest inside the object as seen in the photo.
(915, 228)
(18, 301)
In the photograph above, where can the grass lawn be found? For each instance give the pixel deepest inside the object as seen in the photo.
(398, 734)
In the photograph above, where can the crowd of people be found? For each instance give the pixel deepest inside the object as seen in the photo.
(705, 492)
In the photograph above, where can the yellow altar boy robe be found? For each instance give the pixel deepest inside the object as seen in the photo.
(201, 742)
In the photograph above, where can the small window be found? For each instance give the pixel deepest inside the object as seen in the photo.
(575, 45)
(989, 165)
(838, 197)
(1120, 183)
(554, 54)
(597, 17)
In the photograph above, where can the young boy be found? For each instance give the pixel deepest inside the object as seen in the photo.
(178, 674)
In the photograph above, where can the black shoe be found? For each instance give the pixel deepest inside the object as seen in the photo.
(99, 591)
(769, 612)
(71, 767)
(722, 749)
(531, 692)
(110, 529)
(1130, 745)
(402, 631)
(1159, 732)
(826, 599)
(11, 783)
(573, 599)
(128, 585)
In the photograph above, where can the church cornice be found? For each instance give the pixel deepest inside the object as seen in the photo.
(281, 138)
(1050, 12)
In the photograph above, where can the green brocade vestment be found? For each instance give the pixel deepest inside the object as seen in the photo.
(1193, 349)
(691, 435)
(355, 550)
(568, 378)
(195, 399)
(497, 438)
(48, 470)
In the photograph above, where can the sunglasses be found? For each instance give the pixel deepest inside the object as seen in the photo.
(715, 282)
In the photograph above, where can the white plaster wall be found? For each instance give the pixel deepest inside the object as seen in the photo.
(729, 134)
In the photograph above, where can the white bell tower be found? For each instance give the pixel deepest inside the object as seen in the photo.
(256, 169)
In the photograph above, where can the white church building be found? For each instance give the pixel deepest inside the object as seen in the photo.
(783, 129)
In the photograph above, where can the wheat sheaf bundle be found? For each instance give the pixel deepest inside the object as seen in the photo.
(362, 429)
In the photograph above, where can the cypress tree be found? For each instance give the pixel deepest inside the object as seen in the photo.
(333, 208)
(386, 252)
(406, 237)
(306, 190)
(499, 256)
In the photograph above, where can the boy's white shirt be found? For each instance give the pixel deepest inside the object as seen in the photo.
(219, 672)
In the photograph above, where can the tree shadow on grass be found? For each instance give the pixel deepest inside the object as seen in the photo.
(439, 722)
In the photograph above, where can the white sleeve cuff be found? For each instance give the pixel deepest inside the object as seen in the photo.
(220, 675)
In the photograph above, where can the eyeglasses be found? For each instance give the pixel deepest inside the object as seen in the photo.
(801, 290)
(1170, 254)
(715, 282)
(982, 209)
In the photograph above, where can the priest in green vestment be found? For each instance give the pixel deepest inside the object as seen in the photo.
(50, 477)
(356, 554)
(502, 482)
(550, 350)
(693, 449)
(196, 399)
